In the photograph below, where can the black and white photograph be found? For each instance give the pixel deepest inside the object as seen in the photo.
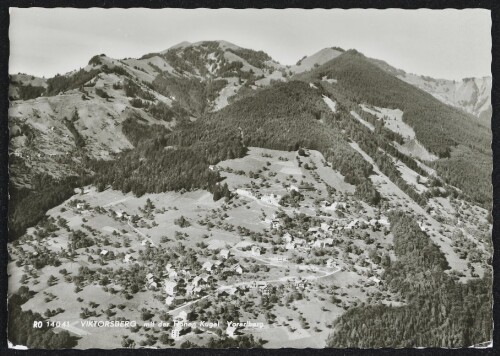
(249, 178)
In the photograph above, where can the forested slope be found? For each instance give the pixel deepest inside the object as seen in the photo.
(456, 137)
(439, 310)
(285, 116)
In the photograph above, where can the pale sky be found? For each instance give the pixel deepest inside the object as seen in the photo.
(449, 43)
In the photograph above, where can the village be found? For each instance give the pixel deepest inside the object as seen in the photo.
(290, 251)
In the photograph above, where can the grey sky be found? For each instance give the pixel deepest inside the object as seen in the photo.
(447, 43)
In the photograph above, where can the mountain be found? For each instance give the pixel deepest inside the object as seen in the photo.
(91, 113)
(340, 188)
(450, 134)
(473, 95)
(309, 62)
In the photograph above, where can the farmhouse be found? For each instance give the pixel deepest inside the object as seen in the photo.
(128, 258)
(230, 331)
(121, 214)
(198, 281)
(169, 300)
(287, 237)
(170, 287)
(264, 289)
(225, 253)
(317, 244)
(176, 332)
(172, 275)
(275, 224)
(299, 284)
(256, 250)
(300, 242)
(207, 266)
(375, 279)
(192, 291)
(237, 269)
(326, 227)
(306, 187)
(326, 242)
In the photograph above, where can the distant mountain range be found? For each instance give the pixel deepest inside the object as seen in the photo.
(472, 95)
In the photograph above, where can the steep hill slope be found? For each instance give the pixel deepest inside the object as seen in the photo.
(454, 136)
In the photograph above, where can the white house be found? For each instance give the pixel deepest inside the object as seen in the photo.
(172, 275)
(265, 289)
(330, 263)
(300, 242)
(218, 263)
(256, 250)
(170, 287)
(328, 241)
(224, 253)
(169, 300)
(192, 291)
(176, 332)
(317, 244)
(230, 331)
(149, 276)
(104, 252)
(120, 214)
(198, 281)
(290, 246)
(292, 188)
(326, 227)
(275, 224)
(300, 284)
(287, 237)
(375, 279)
(80, 206)
(168, 267)
(127, 258)
(237, 269)
(207, 266)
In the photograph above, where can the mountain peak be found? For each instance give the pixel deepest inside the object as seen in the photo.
(316, 59)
